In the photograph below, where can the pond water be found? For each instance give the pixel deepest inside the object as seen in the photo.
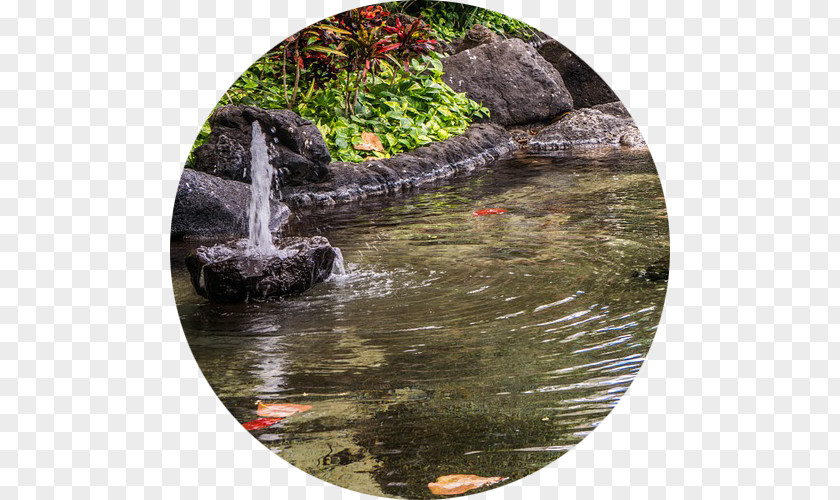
(456, 344)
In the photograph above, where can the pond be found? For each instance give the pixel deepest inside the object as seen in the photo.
(456, 344)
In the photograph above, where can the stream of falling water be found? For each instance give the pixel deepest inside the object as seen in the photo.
(259, 213)
(338, 264)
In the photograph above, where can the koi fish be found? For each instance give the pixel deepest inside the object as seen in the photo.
(489, 211)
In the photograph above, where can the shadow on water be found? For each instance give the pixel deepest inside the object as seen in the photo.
(455, 344)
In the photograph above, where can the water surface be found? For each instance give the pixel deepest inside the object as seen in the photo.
(456, 344)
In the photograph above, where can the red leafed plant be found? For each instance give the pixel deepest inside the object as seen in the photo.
(373, 12)
(367, 46)
(411, 40)
(350, 48)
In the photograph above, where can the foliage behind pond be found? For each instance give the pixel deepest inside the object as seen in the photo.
(373, 69)
(449, 21)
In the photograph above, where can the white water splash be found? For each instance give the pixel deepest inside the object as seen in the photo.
(338, 264)
(259, 213)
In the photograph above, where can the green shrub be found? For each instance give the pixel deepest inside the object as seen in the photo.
(414, 109)
(366, 71)
(449, 20)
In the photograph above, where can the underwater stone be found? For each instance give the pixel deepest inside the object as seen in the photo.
(657, 271)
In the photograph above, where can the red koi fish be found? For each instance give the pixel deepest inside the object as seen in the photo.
(489, 211)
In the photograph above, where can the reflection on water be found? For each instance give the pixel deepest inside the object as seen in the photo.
(455, 344)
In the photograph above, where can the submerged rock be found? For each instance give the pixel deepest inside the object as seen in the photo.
(208, 206)
(512, 79)
(230, 272)
(602, 125)
(295, 146)
(584, 84)
(658, 271)
(480, 145)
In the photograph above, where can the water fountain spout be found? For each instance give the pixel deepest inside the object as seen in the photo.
(259, 213)
(262, 267)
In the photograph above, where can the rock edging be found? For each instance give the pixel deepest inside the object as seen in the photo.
(480, 145)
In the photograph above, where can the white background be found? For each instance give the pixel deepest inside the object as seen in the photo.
(100, 395)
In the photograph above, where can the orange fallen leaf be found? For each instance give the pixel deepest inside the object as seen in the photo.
(370, 142)
(260, 423)
(279, 410)
(455, 484)
(489, 211)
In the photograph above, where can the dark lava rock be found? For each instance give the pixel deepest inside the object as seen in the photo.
(208, 206)
(586, 87)
(658, 271)
(229, 273)
(602, 125)
(480, 145)
(295, 145)
(477, 35)
(523, 134)
(447, 48)
(509, 77)
(538, 38)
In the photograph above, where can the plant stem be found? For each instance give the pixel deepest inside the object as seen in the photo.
(285, 86)
(297, 75)
(347, 93)
(393, 79)
(359, 83)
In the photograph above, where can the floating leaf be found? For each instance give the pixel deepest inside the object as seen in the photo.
(279, 410)
(370, 142)
(489, 211)
(260, 423)
(456, 484)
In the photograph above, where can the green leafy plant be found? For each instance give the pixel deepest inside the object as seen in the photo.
(404, 109)
(365, 70)
(203, 134)
(449, 20)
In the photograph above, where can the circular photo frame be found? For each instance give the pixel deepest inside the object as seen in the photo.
(420, 249)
